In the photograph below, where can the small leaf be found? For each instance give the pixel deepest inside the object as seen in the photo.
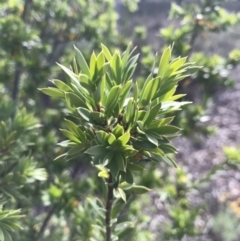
(122, 194)
(112, 99)
(102, 137)
(70, 135)
(166, 130)
(124, 93)
(129, 177)
(152, 139)
(164, 61)
(149, 92)
(111, 139)
(84, 113)
(120, 160)
(62, 86)
(134, 167)
(106, 52)
(107, 158)
(124, 138)
(82, 62)
(73, 100)
(118, 131)
(154, 111)
(139, 189)
(53, 92)
(103, 174)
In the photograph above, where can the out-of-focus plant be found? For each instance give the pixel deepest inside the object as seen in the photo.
(20, 174)
(119, 125)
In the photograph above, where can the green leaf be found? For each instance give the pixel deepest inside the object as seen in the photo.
(128, 177)
(118, 131)
(125, 225)
(75, 129)
(100, 61)
(102, 137)
(96, 150)
(149, 92)
(124, 138)
(98, 117)
(103, 174)
(158, 123)
(70, 135)
(93, 64)
(62, 86)
(106, 52)
(113, 168)
(154, 111)
(112, 99)
(124, 93)
(139, 189)
(82, 62)
(84, 113)
(53, 92)
(174, 66)
(166, 130)
(74, 101)
(170, 161)
(73, 76)
(120, 161)
(152, 139)
(111, 139)
(122, 194)
(166, 56)
(134, 167)
(135, 92)
(107, 158)
(1, 235)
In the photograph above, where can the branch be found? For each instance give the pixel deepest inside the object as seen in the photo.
(109, 208)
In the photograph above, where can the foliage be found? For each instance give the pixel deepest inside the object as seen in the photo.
(116, 128)
(19, 171)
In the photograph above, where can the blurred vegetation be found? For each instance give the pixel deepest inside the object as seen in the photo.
(58, 198)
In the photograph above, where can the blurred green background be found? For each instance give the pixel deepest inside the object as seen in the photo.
(201, 200)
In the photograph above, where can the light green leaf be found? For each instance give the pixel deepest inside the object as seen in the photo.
(149, 92)
(62, 86)
(124, 138)
(118, 131)
(139, 189)
(70, 135)
(166, 56)
(106, 52)
(111, 139)
(82, 62)
(53, 92)
(122, 194)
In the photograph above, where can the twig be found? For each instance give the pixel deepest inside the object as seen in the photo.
(109, 208)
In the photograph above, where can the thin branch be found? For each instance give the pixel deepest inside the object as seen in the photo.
(109, 209)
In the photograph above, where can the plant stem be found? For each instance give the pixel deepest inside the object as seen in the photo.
(109, 208)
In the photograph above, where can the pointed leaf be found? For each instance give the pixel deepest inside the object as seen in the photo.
(82, 62)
